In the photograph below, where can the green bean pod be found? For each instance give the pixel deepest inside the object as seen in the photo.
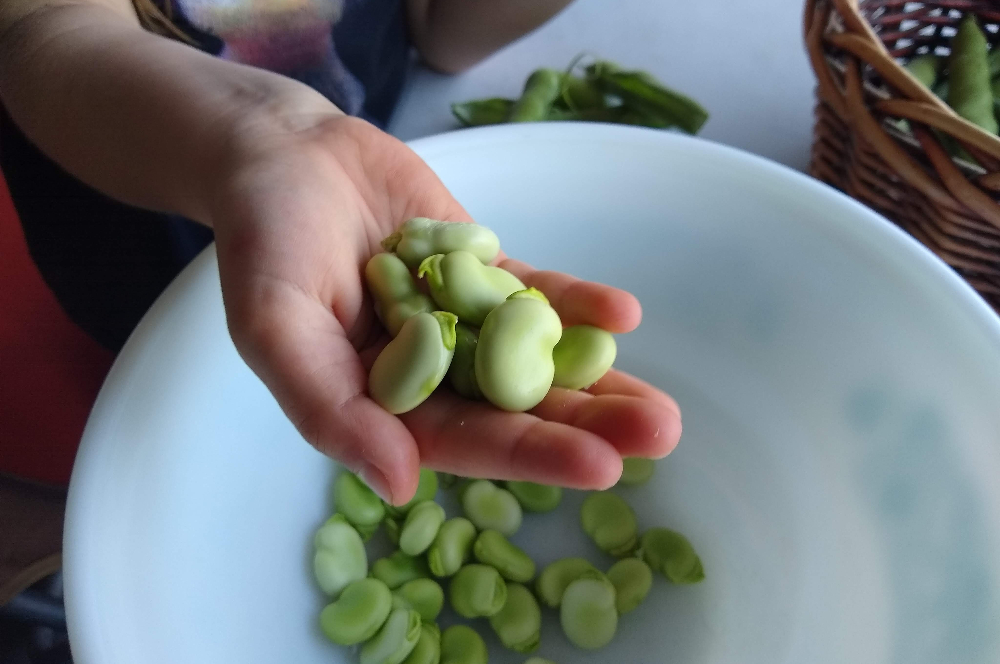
(460, 644)
(395, 640)
(358, 613)
(610, 522)
(493, 549)
(632, 579)
(643, 94)
(399, 568)
(926, 68)
(452, 547)
(535, 497)
(459, 283)
(428, 648)
(413, 364)
(540, 91)
(340, 557)
(587, 612)
(490, 507)
(359, 504)
(518, 624)
(969, 92)
(557, 575)
(477, 591)
(421, 527)
(395, 292)
(514, 366)
(480, 112)
(671, 554)
(582, 356)
(538, 660)
(421, 237)
(636, 470)
(427, 489)
(462, 373)
(425, 596)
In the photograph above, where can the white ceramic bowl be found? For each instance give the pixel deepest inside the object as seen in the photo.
(839, 471)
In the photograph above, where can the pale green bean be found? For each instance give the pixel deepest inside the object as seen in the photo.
(358, 613)
(359, 504)
(427, 488)
(421, 527)
(671, 554)
(582, 356)
(519, 623)
(459, 283)
(425, 596)
(421, 237)
(535, 497)
(556, 576)
(340, 557)
(395, 640)
(490, 507)
(428, 648)
(395, 292)
(462, 372)
(452, 547)
(398, 568)
(413, 364)
(632, 580)
(460, 644)
(477, 591)
(610, 522)
(636, 470)
(587, 613)
(492, 548)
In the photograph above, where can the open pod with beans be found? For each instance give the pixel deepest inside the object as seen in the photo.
(477, 324)
(468, 569)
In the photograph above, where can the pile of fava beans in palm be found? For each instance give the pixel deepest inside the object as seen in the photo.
(387, 610)
(477, 325)
(967, 79)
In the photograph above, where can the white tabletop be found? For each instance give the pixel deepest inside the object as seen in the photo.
(744, 61)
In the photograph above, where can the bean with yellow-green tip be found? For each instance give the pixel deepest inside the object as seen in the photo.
(557, 575)
(477, 591)
(514, 366)
(340, 557)
(490, 507)
(492, 548)
(462, 372)
(636, 470)
(671, 554)
(395, 292)
(587, 612)
(460, 644)
(421, 237)
(452, 547)
(519, 623)
(610, 522)
(396, 569)
(428, 648)
(358, 613)
(357, 502)
(632, 579)
(582, 356)
(413, 364)
(421, 527)
(425, 596)
(459, 283)
(535, 497)
(395, 640)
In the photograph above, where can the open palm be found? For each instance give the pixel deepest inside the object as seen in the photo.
(295, 225)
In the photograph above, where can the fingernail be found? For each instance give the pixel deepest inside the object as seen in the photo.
(376, 481)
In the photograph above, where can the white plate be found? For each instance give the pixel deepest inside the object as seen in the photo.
(839, 471)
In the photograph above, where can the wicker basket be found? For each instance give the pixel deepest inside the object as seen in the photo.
(901, 169)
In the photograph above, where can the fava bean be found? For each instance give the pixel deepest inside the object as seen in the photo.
(459, 283)
(477, 591)
(413, 364)
(340, 557)
(969, 92)
(632, 580)
(519, 623)
(582, 356)
(428, 648)
(392, 528)
(421, 527)
(424, 596)
(427, 489)
(358, 503)
(395, 292)
(556, 576)
(452, 547)
(492, 548)
(490, 507)
(610, 522)
(360, 611)
(535, 497)
(460, 644)
(514, 366)
(395, 640)
(399, 568)
(462, 373)
(421, 237)
(636, 470)
(671, 554)
(587, 613)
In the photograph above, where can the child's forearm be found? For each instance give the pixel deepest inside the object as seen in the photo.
(147, 120)
(453, 35)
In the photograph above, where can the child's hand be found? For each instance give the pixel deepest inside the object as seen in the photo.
(296, 220)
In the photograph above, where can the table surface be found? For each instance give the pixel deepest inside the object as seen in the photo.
(744, 61)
